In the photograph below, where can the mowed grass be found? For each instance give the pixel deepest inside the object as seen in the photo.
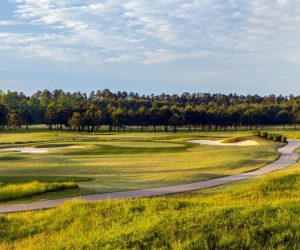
(261, 213)
(15, 191)
(118, 162)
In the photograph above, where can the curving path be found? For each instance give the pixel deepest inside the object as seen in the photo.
(287, 158)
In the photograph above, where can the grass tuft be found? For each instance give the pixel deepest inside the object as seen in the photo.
(237, 139)
(15, 191)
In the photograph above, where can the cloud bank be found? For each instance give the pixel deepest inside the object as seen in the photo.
(153, 32)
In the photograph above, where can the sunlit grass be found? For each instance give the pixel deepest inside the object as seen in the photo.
(258, 214)
(237, 139)
(14, 191)
(127, 165)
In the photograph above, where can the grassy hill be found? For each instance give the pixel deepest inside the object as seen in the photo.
(259, 214)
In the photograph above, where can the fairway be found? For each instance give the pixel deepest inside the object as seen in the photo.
(103, 163)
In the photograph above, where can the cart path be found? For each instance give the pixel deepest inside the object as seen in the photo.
(287, 158)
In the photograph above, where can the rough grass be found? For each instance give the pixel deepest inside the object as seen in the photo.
(237, 139)
(15, 191)
(258, 214)
(45, 179)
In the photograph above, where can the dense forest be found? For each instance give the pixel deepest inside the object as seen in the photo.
(81, 112)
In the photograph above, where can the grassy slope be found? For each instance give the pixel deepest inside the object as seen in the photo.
(15, 191)
(237, 139)
(130, 160)
(259, 214)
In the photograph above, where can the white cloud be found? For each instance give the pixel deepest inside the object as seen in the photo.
(163, 56)
(152, 32)
(282, 2)
(8, 23)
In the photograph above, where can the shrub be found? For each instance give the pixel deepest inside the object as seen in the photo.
(270, 136)
(277, 137)
(257, 133)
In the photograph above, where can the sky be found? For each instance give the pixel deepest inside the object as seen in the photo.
(151, 46)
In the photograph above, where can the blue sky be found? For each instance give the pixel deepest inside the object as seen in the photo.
(151, 46)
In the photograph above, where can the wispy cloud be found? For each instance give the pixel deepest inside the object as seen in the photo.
(150, 32)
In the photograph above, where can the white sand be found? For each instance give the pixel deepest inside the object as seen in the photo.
(27, 150)
(220, 143)
(37, 150)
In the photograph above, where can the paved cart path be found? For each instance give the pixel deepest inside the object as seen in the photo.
(287, 158)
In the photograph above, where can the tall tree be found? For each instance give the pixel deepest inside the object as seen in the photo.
(13, 120)
(76, 121)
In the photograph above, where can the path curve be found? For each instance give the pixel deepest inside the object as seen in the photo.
(287, 158)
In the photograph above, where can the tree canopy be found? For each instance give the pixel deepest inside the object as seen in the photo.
(122, 110)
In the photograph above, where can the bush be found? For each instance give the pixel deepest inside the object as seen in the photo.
(257, 133)
(271, 136)
(14, 191)
(277, 137)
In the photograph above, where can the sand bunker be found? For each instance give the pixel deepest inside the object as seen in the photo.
(37, 150)
(220, 143)
(27, 150)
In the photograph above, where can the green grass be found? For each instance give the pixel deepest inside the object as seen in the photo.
(12, 158)
(128, 161)
(54, 145)
(46, 179)
(139, 144)
(132, 147)
(262, 213)
(15, 191)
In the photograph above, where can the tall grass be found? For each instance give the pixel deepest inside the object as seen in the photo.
(14, 191)
(262, 214)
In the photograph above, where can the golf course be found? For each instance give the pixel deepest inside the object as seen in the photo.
(149, 125)
(104, 163)
(44, 166)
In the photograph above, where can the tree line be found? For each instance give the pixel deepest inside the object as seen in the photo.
(123, 111)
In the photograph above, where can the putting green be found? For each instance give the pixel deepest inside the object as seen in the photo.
(143, 144)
